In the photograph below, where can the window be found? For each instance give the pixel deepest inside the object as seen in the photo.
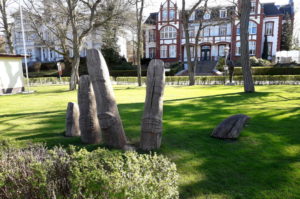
(238, 30)
(152, 36)
(252, 28)
(152, 53)
(238, 48)
(165, 15)
(221, 50)
(163, 51)
(223, 14)
(252, 47)
(172, 15)
(253, 7)
(222, 30)
(192, 51)
(192, 17)
(270, 45)
(192, 31)
(168, 32)
(172, 51)
(269, 28)
(206, 16)
(206, 32)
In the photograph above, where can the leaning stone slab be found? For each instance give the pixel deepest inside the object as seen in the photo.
(72, 120)
(89, 123)
(153, 111)
(231, 127)
(108, 113)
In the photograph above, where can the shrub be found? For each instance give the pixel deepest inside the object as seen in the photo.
(36, 172)
(220, 64)
(271, 71)
(102, 174)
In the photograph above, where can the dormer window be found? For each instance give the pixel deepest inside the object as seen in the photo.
(192, 17)
(223, 14)
(253, 7)
(206, 16)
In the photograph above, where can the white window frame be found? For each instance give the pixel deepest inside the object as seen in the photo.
(253, 7)
(172, 51)
(168, 32)
(252, 47)
(238, 48)
(172, 16)
(223, 30)
(223, 13)
(164, 15)
(206, 16)
(164, 51)
(152, 53)
(252, 28)
(269, 28)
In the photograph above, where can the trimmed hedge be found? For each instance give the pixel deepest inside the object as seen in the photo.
(270, 70)
(36, 172)
(184, 80)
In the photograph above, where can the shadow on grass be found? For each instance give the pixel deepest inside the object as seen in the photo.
(252, 167)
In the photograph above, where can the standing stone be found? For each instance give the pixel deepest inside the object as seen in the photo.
(108, 113)
(153, 110)
(72, 120)
(231, 127)
(89, 123)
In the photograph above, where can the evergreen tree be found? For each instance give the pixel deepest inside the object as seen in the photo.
(266, 48)
(287, 34)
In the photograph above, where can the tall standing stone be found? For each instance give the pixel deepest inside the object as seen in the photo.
(89, 123)
(72, 120)
(153, 111)
(108, 113)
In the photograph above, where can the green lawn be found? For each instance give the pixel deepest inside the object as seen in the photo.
(263, 163)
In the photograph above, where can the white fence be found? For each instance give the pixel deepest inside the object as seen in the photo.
(286, 57)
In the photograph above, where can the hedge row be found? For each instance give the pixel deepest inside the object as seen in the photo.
(271, 71)
(36, 172)
(184, 80)
(219, 80)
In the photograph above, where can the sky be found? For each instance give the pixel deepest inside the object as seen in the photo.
(154, 5)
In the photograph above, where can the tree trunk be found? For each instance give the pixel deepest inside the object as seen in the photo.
(75, 72)
(139, 17)
(7, 31)
(108, 113)
(89, 123)
(153, 111)
(244, 25)
(191, 69)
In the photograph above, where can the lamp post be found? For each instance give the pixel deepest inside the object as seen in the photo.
(226, 50)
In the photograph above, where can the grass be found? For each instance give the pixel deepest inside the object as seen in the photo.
(264, 163)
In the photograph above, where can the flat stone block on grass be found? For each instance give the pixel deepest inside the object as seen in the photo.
(231, 127)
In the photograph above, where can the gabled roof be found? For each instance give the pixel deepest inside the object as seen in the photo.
(152, 19)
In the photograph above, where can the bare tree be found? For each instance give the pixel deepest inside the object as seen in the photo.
(186, 14)
(4, 24)
(244, 15)
(139, 5)
(70, 22)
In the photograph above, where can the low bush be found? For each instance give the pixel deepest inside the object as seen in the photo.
(220, 64)
(270, 71)
(36, 172)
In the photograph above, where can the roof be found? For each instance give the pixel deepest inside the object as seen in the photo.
(152, 19)
(270, 9)
(11, 55)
